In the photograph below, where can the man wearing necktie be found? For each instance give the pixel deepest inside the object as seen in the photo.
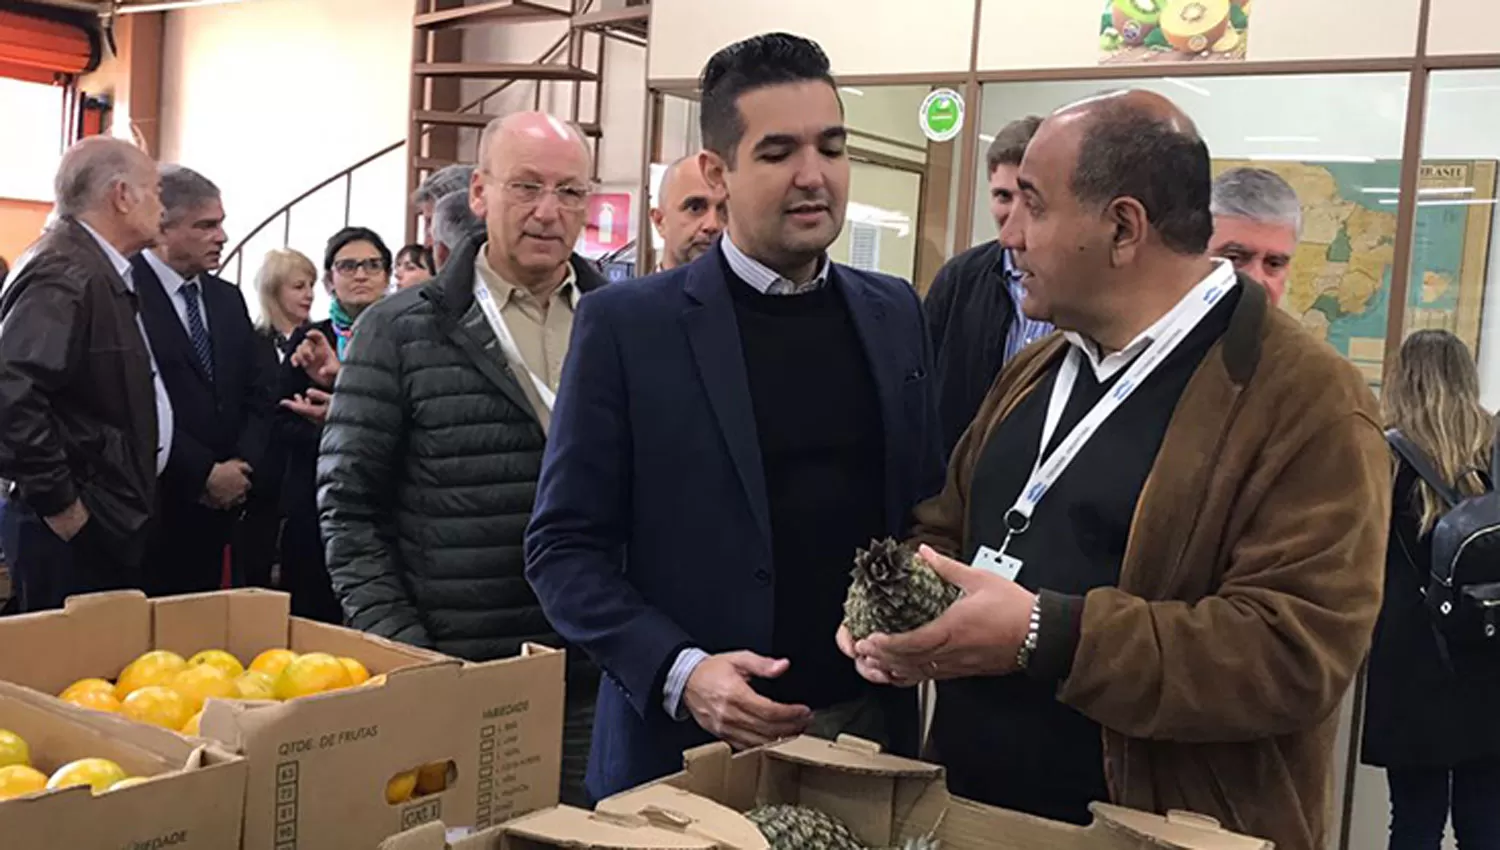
(219, 381)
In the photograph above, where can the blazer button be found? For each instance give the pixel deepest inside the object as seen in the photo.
(763, 576)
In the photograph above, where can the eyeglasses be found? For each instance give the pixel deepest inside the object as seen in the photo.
(371, 265)
(570, 197)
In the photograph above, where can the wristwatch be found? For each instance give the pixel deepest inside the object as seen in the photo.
(1033, 634)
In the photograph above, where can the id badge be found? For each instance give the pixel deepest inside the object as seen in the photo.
(997, 562)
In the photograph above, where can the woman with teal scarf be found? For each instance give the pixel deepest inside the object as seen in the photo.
(357, 272)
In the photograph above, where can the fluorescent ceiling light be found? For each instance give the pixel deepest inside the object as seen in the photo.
(1383, 190)
(851, 90)
(889, 219)
(1309, 157)
(986, 137)
(1189, 86)
(1284, 139)
(1449, 202)
(172, 5)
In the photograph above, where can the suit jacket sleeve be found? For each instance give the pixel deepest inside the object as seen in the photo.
(575, 546)
(931, 463)
(254, 440)
(38, 345)
(356, 479)
(937, 306)
(1288, 627)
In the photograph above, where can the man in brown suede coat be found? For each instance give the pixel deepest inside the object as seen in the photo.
(1167, 609)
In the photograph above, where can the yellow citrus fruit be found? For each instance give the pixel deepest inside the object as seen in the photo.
(273, 661)
(253, 684)
(95, 699)
(197, 684)
(18, 780)
(159, 706)
(220, 659)
(400, 787)
(358, 673)
(129, 782)
(432, 778)
(374, 681)
(313, 673)
(191, 727)
(13, 749)
(86, 685)
(98, 774)
(153, 668)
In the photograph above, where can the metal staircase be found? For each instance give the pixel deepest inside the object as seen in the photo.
(575, 61)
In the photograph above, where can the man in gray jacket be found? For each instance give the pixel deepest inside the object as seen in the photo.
(434, 438)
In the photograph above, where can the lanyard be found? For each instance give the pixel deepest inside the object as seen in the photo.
(508, 342)
(1049, 468)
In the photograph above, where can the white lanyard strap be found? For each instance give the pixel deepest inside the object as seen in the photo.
(508, 342)
(1050, 467)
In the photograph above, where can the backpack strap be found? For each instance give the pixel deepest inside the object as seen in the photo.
(1417, 460)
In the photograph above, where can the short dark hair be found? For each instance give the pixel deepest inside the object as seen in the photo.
(771, 59)
(1128, 152)
(1009, 146)
(349, 235)
(418, 254)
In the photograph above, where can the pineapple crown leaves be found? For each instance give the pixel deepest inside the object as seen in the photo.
(885, 563)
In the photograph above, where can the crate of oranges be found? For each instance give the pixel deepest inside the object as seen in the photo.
(84, 780)
(348, 737)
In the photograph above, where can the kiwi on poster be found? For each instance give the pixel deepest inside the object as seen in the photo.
(1136, 31)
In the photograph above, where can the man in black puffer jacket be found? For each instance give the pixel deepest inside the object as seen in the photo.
(434, 439)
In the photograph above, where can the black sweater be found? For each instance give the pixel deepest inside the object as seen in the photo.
(822, 446)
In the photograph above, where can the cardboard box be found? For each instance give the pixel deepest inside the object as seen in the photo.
(319, 765)
(886, 800)
(557, 828)
(195, 801)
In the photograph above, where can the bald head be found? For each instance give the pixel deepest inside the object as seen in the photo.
(113, 186)
(532, 189)
(689, 214)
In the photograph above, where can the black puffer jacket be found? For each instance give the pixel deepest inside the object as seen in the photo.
(427, 475)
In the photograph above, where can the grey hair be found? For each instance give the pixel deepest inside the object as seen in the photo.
(89, 169)
(1258, 195)
(444, 181)
(183, 190)
(453, 220)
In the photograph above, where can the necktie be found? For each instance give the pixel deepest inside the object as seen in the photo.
(197, 329)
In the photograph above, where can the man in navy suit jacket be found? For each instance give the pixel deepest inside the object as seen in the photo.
(219, 377)
(726, 435)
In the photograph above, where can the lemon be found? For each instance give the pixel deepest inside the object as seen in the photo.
(129, 782)
(273, 661)
(95, 699)
(159, 706)
(98, 774)
(191, 727)
(358, 673)
(220, 659)
(400, 787)
(197, 684)
(313, 673)
(13, 749)
(18, 780)
(86, 685)
(254, 684)
(153, 668)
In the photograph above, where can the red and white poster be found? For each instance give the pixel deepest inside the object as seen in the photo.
(608, 225)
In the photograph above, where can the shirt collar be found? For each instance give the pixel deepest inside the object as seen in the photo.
(171, 281)
(1105, 367)
(116, 259)
(504, 290)
(766, 280)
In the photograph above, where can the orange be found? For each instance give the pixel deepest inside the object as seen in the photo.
(273, 661)
(358, 674)
(159, 706)
(432, 778)
(13, 749)
(400, 787)
(197, 684)
(129, 782)
(98, 774)
(313, 673)
(153, 668)
(86, 685)
(18, 780)
(191, 727)
(220, 659)
(95, 699)
(253, 684)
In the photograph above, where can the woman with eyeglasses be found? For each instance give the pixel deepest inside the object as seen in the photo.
(1433, 723)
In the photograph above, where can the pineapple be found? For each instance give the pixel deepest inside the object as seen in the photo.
(893, 591)
(802, 828)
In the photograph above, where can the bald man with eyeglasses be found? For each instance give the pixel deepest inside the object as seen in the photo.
(439, 417)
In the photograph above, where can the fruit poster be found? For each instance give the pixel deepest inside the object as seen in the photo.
(1132, 32)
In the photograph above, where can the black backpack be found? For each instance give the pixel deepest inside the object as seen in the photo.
(1462, 592)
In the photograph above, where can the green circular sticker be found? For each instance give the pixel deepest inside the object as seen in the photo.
(942, 115)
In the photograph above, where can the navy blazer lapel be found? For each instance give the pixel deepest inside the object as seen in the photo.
(161, 320)
(867, 307)
(713, 331)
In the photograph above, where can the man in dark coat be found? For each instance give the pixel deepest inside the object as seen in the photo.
(434, 438)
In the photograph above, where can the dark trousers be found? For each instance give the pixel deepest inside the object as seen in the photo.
(578, 734)
(186, 552)
(1421, 799)
(304, 570)
(46, 570)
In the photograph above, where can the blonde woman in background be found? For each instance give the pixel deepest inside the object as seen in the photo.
(283, 527)
(1434, 728)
